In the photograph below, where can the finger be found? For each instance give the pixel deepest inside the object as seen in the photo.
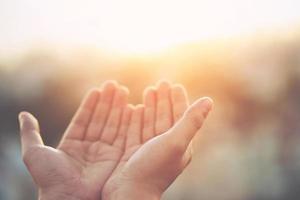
(179, 101)
(149, 114)
(187, 127)
(164, 116)
(134, 133)
(29, 130)
(101, 113)
(83, 115)
(121, 137)
(111, 128)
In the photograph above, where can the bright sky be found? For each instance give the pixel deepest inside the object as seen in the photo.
(135, 25)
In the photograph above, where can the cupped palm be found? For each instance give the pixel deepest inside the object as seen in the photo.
(158, 142)
(89, 150)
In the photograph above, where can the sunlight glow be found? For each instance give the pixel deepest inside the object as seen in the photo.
(136, 26)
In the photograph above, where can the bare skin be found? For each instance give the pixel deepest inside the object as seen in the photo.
(111, 148)
(158, 145)
(88, 152)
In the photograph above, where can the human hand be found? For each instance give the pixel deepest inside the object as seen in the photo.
(157, 151)
(88, 152)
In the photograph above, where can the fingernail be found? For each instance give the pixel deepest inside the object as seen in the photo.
(21, 119)
(207, 105)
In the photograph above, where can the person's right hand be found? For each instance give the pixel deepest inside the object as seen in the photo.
(87, 154)
(156, 152)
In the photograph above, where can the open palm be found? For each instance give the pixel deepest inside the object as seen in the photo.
(146, 154)
(89, 151)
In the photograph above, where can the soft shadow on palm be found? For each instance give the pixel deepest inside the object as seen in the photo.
(90, 149)
(163, 106)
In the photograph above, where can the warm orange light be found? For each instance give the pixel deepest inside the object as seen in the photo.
(135, 26)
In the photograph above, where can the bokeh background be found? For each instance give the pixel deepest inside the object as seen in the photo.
(243, 54)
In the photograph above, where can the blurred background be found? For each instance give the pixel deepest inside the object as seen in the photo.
(244, 54)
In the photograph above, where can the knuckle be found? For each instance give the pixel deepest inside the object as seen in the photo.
(195, 117)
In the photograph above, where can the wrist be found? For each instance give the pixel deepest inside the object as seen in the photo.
(55, 195)
(132, 193)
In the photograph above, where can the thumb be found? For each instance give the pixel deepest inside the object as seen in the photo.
(191, 122)
(29, 130)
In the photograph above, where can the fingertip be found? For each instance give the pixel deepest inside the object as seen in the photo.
(90, 98)
(201, 106)
(130, 107)
(178, 93)
(29, 132)
(149, 90)
(122, 94)
(21, 115)
(149, 96)
(208, 99)
(178, 88)
(110, 84)
(163, 90)
(93, 92)
(138, 110)
(139, 107)
(24, 115)
(163, 83)
(124, 90)
(27, 121)
(190, 124)
(207, 104)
